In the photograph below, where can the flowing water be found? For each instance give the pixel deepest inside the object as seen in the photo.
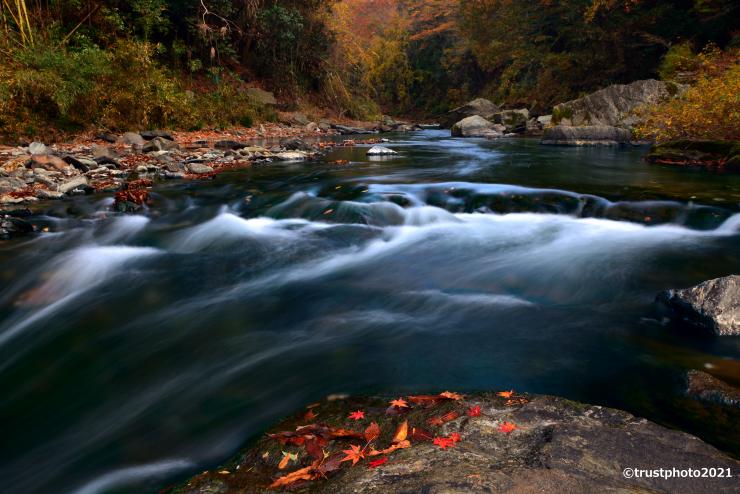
(136, 350)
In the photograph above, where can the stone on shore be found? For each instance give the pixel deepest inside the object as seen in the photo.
(614, 105)
(550, 445)
(713, 306)
(590, 135)
(133, 139)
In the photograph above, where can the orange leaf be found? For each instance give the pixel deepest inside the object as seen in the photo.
(401, 432)
(354, 454)
(444, 442)
(391, 449)
(506, 394)
(455, 437)
(451, 396)
(302, 474)
(507, 427)
(399, 403)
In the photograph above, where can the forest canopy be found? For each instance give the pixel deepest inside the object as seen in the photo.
(186, 62)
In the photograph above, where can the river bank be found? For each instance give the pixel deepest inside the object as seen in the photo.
(492, 442)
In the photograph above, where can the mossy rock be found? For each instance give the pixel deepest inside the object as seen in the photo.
(724, 155)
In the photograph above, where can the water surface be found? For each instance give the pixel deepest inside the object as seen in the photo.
(137, 350)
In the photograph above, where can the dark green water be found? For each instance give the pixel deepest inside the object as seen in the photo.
(137, 350)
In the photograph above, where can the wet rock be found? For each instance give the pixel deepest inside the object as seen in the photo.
(614, 105)
(11, 227)
(70, 185)
(160, 144)
(474, 126)
(706, 387)
(592, 135)
(480, 107)
(152, 134)
(557, 446)
(380, 151)
(710, 154)
(198, 168)
(229, 144)
(324, 126)
(713, 306)
(133, 139)
(312, 127)
(296, 144)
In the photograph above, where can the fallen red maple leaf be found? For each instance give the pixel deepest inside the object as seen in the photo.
(474, 411)
(378, 462)
(444, 442)
(451, 396)
(455, 437)
(391, 449)
(354, 454)
(358, 415)
(310, 415)
(307, 473)
(399, 403)
(507, 427)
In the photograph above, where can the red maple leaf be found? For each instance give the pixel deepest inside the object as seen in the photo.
(354, 454)
(474, 411)
(372, 432)
(358, 415)
(507, 427)
(455, 437)
(399, 403)
(378, 462)
(444, 442)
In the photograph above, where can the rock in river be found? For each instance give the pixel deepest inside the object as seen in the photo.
(380, 151)
(589, 135)
(706, 387)
(713, 305)
(475, 126)
(479, 106)
(532, 444)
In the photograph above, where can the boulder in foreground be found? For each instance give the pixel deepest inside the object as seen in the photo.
(713, 305)
(485, 443)
(590, 135)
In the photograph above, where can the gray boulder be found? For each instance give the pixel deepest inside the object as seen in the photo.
(590, 135)
(614, 105)
(38, 149)
(475, 126)
(133, 139)
(71, 185)
(198, 168)
(713, 305)
(513, 120)
(480, 107)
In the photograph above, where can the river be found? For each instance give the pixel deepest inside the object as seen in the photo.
(136, 350)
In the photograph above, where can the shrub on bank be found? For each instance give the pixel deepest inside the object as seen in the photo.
(45, 86)
(709, 109)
